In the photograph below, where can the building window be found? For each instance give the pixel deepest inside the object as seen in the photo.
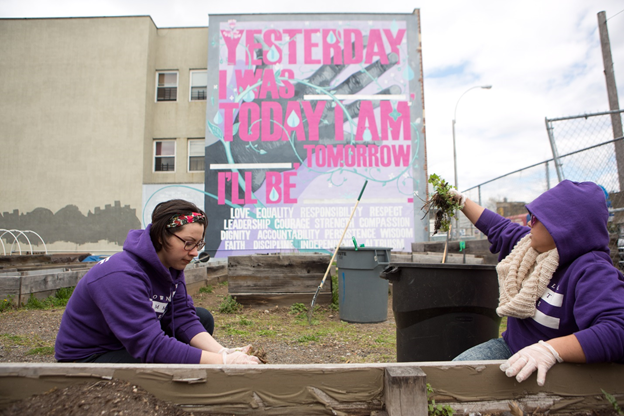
(164, 155)
(167, 88)
(199, 83)
(196, 155)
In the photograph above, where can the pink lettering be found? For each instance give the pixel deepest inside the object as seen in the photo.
(375, 48)
(328, 48)
(269, 85)
(389, 124)
(395, 41)
(292, 45)
(309, 46)
(252, 45)
(366, 120)
(271, 117)
(228, 119)
(270, 37)
(314, 118)
(353, 42)
(231, 39)
(249, 115)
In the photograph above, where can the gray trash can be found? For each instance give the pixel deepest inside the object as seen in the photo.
(363, 296)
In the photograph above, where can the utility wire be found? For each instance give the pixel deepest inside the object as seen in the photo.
(614, 15)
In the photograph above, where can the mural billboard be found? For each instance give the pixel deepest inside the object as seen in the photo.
(301, 111)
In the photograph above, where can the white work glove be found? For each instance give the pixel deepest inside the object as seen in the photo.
(458, 196)
(244, 349)
(540, 356)
(238, 357)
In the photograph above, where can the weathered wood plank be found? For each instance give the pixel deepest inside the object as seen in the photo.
(405, 391)
(285, 279)
(10, 286)
(277, 284)
(468, 387)
(270, 300)
(266, 389)
(42, 285)
(279, 264)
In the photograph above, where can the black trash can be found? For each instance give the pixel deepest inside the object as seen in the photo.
(441, 310)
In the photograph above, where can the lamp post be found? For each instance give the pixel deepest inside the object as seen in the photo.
(485, 87)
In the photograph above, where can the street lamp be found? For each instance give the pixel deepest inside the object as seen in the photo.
(485, 87)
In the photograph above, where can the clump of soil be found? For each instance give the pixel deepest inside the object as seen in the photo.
(442, 202)
(259, 353)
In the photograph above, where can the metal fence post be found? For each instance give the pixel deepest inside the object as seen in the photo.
(553, 146)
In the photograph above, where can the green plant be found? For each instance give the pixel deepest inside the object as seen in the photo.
(6, 304)
(229, 305)
(384, 339)
(437, 409)
(613, 402)
(308, 338)
(441, 201)
(41, 351)
(64, 293)
(244, 321)
(335, 302)
(14, 339)
(297, 308)
(60, 299)
(233, 331)
(206, 289)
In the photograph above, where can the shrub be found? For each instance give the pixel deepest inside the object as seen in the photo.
(229, 305)
(205, 289)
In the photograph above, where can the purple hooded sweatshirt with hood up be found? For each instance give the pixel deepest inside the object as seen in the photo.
(124, 302)
(585, 296)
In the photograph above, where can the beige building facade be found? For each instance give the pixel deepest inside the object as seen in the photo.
(101, 119)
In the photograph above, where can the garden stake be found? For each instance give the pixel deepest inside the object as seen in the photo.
(318, 289)
(446, 243)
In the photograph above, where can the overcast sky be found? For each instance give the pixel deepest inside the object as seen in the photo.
(543, 59)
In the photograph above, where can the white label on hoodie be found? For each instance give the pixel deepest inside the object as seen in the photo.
(549, 321)
(554, 299)
(159, 307)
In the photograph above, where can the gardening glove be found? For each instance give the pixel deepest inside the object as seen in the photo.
(458, 196)
(238, 357)
(540, 356)
(244, 349)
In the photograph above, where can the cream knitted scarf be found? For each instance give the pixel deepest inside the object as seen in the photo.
(523, 278)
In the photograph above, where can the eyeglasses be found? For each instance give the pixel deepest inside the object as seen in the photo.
(190, 245)
(533, 220)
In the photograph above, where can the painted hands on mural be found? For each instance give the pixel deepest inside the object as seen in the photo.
(540, 356)
(279, 111)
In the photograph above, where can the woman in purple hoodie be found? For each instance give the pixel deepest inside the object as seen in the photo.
(133, 307)
(562, 295)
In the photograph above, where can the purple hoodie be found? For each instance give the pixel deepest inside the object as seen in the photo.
(125, 301)
(585, 296)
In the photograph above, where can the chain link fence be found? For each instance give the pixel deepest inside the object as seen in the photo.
(584, 149)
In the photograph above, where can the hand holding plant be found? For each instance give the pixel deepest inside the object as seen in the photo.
(446, 200)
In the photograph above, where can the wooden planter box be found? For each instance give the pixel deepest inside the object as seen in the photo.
(469, 387)
(259, 280)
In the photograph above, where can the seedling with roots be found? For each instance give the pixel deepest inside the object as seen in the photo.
(442, 202)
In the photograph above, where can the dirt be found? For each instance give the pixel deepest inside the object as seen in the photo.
(280, 334)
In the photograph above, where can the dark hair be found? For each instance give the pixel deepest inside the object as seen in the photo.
(161, 216)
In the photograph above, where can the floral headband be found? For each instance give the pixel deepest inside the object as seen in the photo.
(179, 220)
